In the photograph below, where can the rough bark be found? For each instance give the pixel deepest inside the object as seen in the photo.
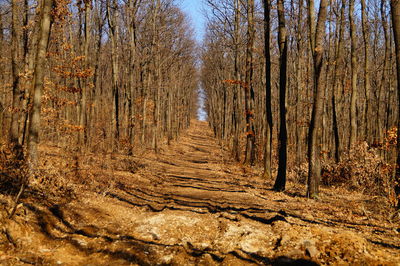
(249, 89)
(132, 68)
(113, 30)
(354, 69)
(395, 12)
(236, 89)
(85, 87)
(299, 88)
(29, 57)
(280, 181)
(15, 69)
(268, 106)
(336, 81)
(314, 172)
(34, 125)
(367, 79)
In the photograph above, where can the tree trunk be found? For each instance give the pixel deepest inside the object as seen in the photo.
(268, 106)
(395, 10)
(280, 182)
(15, 70)
(132, 63)
(236, 89)
(336, 81)
(353, 99)
(314, 172)
(299, 87)
(34, 125)
(84, 92)
(367, 83)
(112, 24)
(156, 73)
(2, 101)
(29, 57)
(249, 90)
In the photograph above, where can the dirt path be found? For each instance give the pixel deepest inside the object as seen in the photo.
(189, 205)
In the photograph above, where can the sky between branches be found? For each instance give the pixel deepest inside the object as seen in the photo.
(195, 10)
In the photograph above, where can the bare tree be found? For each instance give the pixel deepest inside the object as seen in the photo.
(336, 80)
(354, 69)
(34, 125)
(367, 78)
(15, 68)
(249, 89)
(112, 10)
(268, 107)
(280, 182)
(395, 11)
(236, 90)
(316, 40)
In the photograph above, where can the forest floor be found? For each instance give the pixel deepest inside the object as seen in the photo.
(192, 205)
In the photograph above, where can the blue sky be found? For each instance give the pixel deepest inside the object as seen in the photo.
(194, 8)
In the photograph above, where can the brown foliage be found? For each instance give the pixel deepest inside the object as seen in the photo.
(12, 169)
(361, 169)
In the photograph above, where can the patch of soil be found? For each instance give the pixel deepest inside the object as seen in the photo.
(189, 204)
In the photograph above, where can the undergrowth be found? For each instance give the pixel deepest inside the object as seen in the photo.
(361, 169)
(12, 169)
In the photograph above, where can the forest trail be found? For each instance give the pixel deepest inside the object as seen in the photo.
(190, 205)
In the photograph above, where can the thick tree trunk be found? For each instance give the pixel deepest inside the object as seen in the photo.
(280, 182)
(84, 93)
(236, 89)
(156, 73)
(299, 87)
(249, 90)
(395, 11)
(29, 56)
(15, 70)
(132, 69)
(34, 126)
(354, 69)
(97, 89)
(2, 102)
(112, 24)
(367, 82)
(268, 106)
(380, 111)
(314, 172)
(336, 81)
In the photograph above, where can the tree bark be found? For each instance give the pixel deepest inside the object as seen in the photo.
(280, 181)
(367, 82)
(84, 92)
(336, 81)
(29, 57)
(132, 63)
(314, 172)
(268, 106)
(395, 11)
(249, 89)
(34, 126)
(354, 68)
(299, 88)
(15, 70)
(112, 24)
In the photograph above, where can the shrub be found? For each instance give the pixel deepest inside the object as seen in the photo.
(361, 169)
(12, 168)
